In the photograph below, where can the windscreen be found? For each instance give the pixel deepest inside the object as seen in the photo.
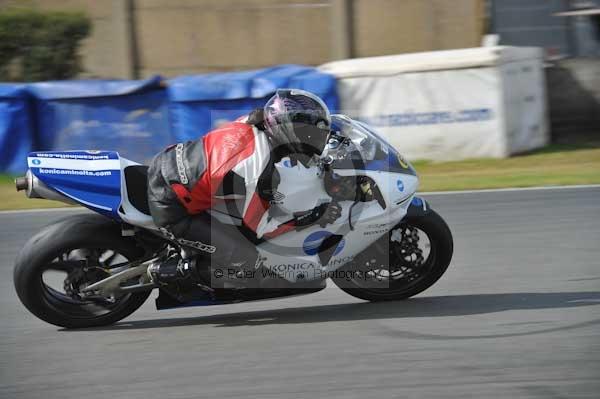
(355, 145)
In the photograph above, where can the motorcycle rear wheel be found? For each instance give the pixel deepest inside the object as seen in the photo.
(80, 247)
(395, 269)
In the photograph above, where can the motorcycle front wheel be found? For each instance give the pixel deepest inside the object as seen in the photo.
(403, 263)
(60, 260)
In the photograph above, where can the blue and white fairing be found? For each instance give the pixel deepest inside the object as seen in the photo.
(91, 178)
(353, 150)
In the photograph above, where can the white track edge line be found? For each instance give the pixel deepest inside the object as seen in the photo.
(428, 193)
(510, 189)
(37, 210)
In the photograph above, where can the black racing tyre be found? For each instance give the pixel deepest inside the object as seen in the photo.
(396, 269)
(69, 247)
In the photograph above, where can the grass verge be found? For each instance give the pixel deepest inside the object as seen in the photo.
(550, 166)
(11, 199)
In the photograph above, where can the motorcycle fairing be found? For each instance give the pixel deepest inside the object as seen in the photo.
(294, 256)
(91, 178)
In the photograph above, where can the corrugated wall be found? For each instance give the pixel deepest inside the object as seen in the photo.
(190, 36)
(401, 26)
(173, 37)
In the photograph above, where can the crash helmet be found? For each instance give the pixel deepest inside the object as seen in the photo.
(297, 120)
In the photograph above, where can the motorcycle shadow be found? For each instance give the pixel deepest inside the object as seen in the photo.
(431, 306)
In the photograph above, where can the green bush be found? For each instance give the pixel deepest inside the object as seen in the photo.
(40, 45)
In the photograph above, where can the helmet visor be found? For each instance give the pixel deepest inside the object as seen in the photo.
(312, 138)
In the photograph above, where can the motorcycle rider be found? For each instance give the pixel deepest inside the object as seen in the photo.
(233, 167)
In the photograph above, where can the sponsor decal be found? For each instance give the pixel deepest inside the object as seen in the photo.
(277, 197)
(46, 171)
(314, 240)
(430, 118)
(376, 232)
(87, 157)
(294, 267)
(36, 161)
(377, 225)
(300, 270)
(402, 161)
(287, 163)
(400, 185)
(377, 229)
(339, 261)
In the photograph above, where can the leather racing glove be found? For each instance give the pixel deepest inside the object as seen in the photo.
(323, 214)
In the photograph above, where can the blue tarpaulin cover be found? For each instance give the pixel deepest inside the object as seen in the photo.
(16, 130)
(137, 118)
(130, 117)
(200, 103)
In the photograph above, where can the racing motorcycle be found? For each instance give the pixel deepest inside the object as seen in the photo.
(94, 269)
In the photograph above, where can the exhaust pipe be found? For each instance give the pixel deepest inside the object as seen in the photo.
(21, 183)
(35, 188)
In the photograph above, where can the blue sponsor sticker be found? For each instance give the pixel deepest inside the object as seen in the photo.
(314, 240)
(36, 161)
(400, 185)
(287, 163)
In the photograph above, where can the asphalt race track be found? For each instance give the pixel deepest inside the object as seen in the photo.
(516, 316)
